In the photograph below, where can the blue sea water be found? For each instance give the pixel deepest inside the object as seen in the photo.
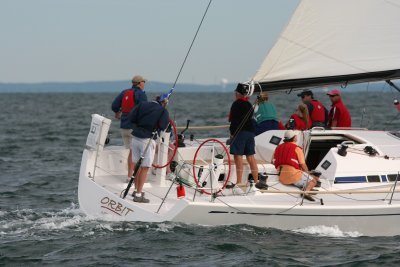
(42, 136)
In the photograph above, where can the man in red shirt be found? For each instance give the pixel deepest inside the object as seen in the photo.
(339, 115)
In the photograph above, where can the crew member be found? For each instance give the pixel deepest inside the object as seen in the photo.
(289, 160)
(300, 120)
(242, 132)
(339, 115)
(265, 114)
(146, 118)
(122, 105)
(318, 113)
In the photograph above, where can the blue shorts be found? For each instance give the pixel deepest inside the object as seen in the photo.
(243, 144)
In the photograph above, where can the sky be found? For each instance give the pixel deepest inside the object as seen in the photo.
(112, 40)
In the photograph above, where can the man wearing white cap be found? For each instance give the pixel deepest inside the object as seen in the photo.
(122, 105)
(289, 161)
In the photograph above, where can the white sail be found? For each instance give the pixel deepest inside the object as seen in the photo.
(331, 38)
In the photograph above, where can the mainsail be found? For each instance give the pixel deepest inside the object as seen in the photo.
(334, 42)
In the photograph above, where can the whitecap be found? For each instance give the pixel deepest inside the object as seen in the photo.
(164, 227)
(329, 231)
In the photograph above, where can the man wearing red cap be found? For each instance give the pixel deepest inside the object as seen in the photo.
(339, 115)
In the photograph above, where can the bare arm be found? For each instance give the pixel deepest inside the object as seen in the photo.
(304, 167)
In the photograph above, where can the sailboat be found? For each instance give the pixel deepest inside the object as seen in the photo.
(330, 42)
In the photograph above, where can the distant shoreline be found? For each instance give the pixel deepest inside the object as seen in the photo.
(106, 87)
(117, 86)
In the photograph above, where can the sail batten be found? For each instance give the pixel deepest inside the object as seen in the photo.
(335, 41)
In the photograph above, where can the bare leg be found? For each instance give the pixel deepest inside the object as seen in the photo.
(130, 164)
(311, 183)
(141, 178)
(253, 167)
(170, 152)
(136, 179)
(239, 168)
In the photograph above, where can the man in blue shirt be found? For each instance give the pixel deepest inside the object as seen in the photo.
(122, 105)
(146, 118)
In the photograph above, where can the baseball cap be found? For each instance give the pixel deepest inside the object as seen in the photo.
(334, 92)
(305, 92)
(289, 134)
(243, 89)
(138, 79)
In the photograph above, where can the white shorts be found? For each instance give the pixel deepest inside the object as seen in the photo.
(138, 148)
(127, 137)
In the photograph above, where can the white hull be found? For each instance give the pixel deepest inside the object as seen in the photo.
(368, 214)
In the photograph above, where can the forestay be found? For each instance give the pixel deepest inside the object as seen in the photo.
(334, 42)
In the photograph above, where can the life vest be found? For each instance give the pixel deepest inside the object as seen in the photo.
(318, 112)
(128, 101)
(285, 155)
(300, 124)
(343, 117)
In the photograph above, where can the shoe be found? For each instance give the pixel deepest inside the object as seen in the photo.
(170, 176)
(261, 185)
(318, 184)
(308, 197)
(314, 190)
(230, 186)
(237, 190)
(140, 199)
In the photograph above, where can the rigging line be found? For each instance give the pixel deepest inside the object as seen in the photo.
(363, 109)
(244, 212)
(190, 48)
(388, 124)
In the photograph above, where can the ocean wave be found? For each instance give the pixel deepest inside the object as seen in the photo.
(328, 231)
(25, 221)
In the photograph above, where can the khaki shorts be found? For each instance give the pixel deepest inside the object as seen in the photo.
(138, 148)
(127, 137)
